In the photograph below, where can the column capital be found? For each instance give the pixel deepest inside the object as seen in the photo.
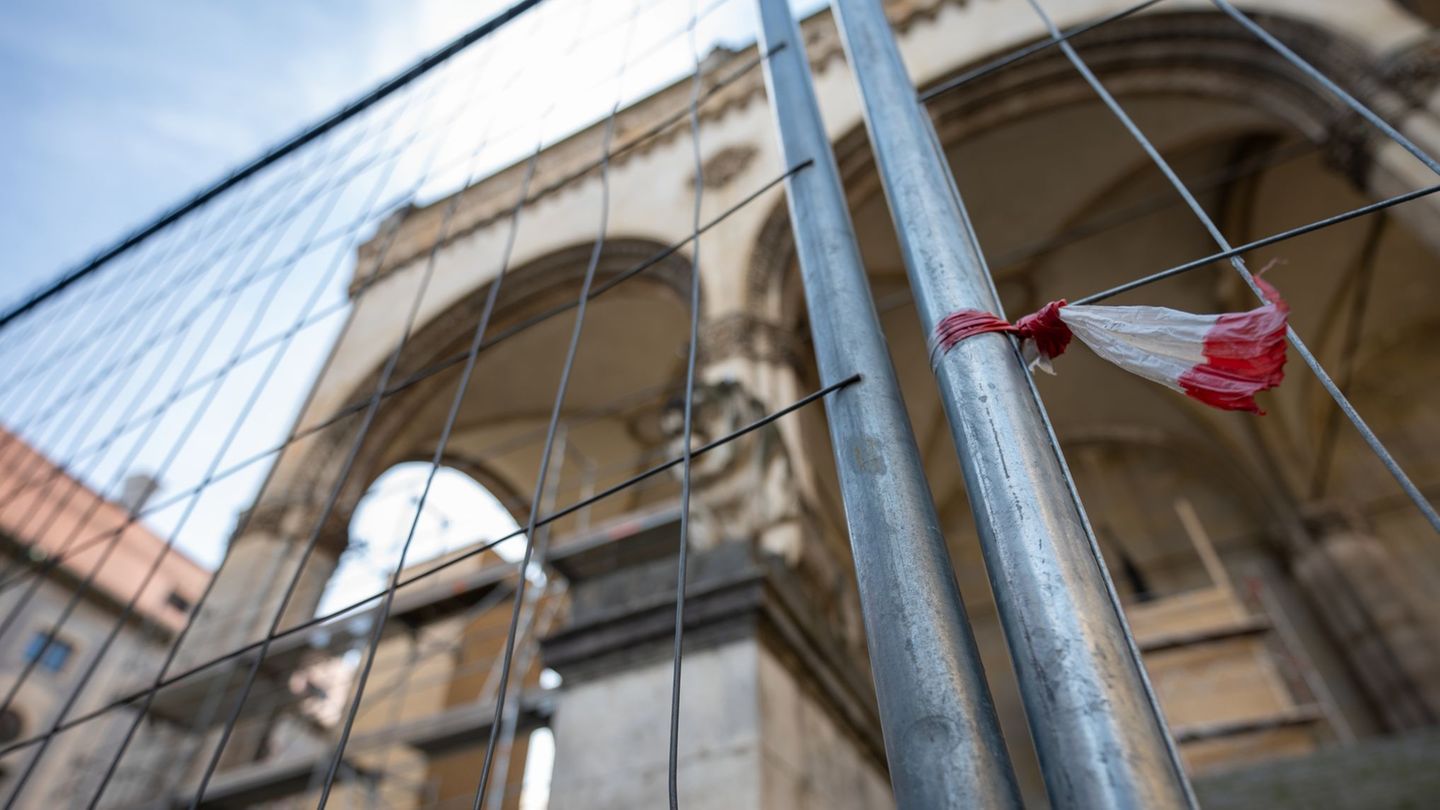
(745, 336)
(294, 518)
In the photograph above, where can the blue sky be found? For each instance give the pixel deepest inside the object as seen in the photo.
(116, 109)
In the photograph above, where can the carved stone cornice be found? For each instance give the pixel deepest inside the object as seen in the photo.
(730, 81)
(1184, 53)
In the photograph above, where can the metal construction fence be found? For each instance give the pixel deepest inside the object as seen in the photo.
(195, 352)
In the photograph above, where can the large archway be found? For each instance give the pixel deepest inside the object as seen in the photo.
(1066, 204)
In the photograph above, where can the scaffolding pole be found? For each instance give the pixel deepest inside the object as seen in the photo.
(942, 739)
(1097, 728)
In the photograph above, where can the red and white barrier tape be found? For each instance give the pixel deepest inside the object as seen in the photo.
(1221, 360)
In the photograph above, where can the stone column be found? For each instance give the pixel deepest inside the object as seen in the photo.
(774, 712)
(259, 566)
(262, 559)
(764, 488)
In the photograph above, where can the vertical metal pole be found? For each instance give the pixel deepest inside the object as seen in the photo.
(942, 738)
(1097, 730)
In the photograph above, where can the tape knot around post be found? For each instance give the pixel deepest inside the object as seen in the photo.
(1222, 360)
(1042, 328)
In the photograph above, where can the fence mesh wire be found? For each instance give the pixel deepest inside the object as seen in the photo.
(152, 401)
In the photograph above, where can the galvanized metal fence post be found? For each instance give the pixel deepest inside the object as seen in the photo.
(942, 738)
(1097, 730)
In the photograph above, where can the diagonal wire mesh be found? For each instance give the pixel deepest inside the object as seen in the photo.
(1234, 254)
(229, 260)
(188, 351)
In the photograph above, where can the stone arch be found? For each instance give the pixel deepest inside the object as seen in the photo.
(461, 508)
(1192, 58)
(1200, 54)
(530, 296)
(643, 312)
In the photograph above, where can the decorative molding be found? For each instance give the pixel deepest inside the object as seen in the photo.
(1414, 72)
(720, 169)
(743, 335)
(730, 81)
(294, 520)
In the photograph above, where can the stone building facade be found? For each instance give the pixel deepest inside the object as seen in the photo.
(1282, 591)
(93, 588)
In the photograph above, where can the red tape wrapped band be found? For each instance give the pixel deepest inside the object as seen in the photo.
(1043, 326)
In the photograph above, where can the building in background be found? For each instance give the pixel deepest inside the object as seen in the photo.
(54, 525)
